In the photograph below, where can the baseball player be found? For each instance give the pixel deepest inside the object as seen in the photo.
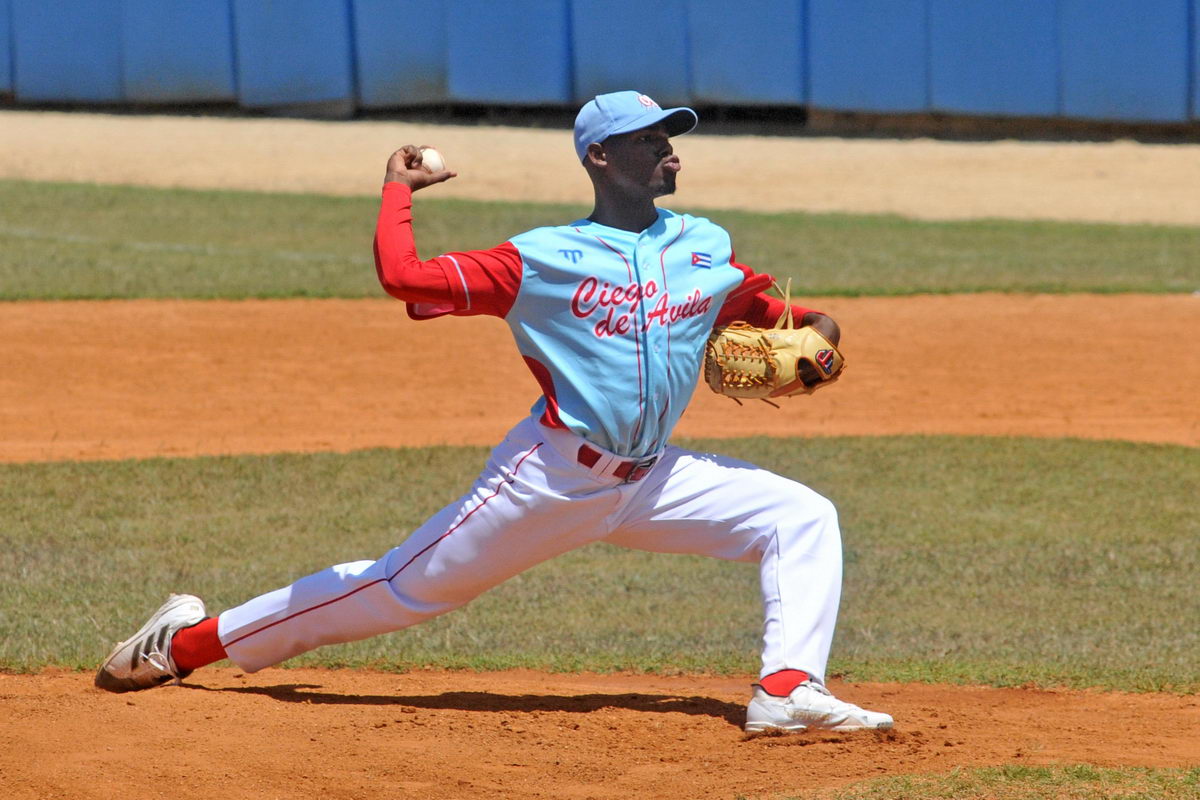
(610, 314)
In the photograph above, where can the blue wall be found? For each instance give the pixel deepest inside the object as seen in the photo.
(400, 70)
(6, 84)
(1195, 34)
(67, 50)
(177, 51)
(993, 58)
(868, 55)
(1126, 59)
(294, 53)
(631, 44)
(518, 53)
(725, 69)
(1131, 60)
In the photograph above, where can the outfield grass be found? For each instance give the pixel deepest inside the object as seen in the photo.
(1013, 782)
(86, 241)
(977, 560)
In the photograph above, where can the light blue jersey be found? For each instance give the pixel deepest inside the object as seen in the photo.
(613, 323)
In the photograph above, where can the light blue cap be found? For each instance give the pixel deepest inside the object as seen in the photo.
(622, 112)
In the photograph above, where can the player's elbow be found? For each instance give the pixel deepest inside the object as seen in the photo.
(388, 279)
(392, 276)
(393, 290)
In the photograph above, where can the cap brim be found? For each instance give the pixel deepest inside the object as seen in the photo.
(678, 121)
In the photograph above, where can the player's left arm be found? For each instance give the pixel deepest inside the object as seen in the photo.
(750, 303)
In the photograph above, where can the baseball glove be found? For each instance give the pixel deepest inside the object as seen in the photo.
(742, 361)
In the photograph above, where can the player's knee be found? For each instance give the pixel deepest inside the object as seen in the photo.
(810, 515)
(805, 504)
(824, 510)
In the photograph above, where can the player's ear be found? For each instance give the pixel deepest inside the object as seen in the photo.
(596, 155)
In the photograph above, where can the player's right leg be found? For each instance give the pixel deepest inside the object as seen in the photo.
(717, 506)
(531, 503)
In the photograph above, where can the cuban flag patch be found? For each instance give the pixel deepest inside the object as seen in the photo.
(701, 260)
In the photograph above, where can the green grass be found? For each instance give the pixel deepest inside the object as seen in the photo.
(978, 560)
(1013, 782)
(86, 241)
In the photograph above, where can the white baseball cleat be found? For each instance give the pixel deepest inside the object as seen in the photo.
(809, 706)
(144, 660)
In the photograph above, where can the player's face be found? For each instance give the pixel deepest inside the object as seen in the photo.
(643, 160)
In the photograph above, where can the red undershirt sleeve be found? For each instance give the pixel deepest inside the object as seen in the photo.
(750, 302)
(463, 283)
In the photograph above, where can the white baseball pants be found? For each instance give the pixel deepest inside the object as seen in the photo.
(534, 501)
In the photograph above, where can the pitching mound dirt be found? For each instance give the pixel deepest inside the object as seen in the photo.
(307, 734)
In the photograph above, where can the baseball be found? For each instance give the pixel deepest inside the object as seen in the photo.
(432, 160)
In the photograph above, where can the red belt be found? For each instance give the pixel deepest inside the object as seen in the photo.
(628, 471)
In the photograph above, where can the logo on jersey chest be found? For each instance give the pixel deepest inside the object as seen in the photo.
(618, 309)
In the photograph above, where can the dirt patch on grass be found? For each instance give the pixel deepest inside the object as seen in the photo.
(340, 734)
(106, 380)
(1120, 181)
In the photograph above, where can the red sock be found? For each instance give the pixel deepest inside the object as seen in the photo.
(781, 683)
(197, 646)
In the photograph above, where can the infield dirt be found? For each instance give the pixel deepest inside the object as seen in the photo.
(308, 734)
(142, 378)
(103, 380)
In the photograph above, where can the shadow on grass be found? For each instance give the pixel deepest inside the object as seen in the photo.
(733, 713)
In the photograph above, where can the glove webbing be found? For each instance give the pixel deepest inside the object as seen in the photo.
(743, 379)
